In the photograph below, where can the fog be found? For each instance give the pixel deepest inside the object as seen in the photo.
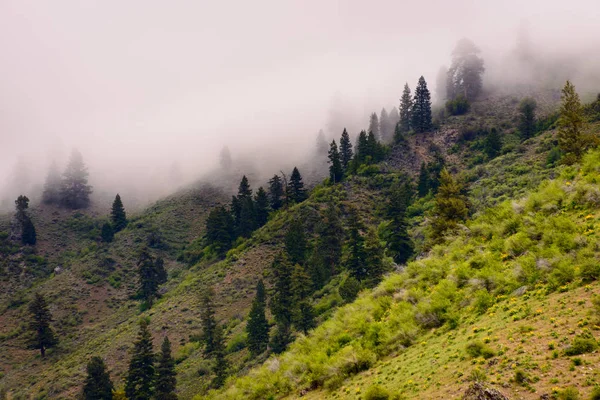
(150, 91)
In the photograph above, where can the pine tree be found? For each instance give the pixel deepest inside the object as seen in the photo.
(97, 385)
(328, 250)
(29, 236)
(374, 123)
(107, 234)
(570, 125)
(374, 149)
(258, 326)
(141, 376)
(399, 241)
(464, 75)
(321, 145)
(423, 183)
(75, 191)
(336, 171)
(345, 150)
(282, 302)
(281, 338)
(393, 120)
(450, 206)
(295, 243)
(434, 169)
(165, 380)
(151, 274)
(261, 206)
(406, 105)
(295, 190)
(373, 250)
(492, 144)
(243, 210)
(421, 110)
(276, 192)
(304, 315)
(356, 262)
(52, 186)
(527, 118)
(362, 148)
(221, 365)
(27, 230)
(209, 323)
(220, 229)
(117, 215)
(43, 334)
(384, 126)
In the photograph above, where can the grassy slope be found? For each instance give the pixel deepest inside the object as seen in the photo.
(546, 239)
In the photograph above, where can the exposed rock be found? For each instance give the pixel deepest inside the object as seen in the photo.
(520, 291)
(478, 391)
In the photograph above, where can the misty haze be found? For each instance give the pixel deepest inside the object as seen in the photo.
(285, 199)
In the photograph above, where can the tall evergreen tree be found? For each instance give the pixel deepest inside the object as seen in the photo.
(282, 301)
(220, 229)
(107, 234)
(421, 110)
(258, 326)
(221, 364)
(399, 241)
(43, 334)
(276, 192)
(117, 214)
(295, 242)
(304, 315)
(362, 148)
(374, 255)
(166, 380)
(570, 125)
(406, 106)
(345, 150)
(423, 183)
(261, 206)
(209, 323)
(25, 227)
(151, 274)
(75, 191)
(527, 118)
(243, 210)
(492, 144)
(321, 145)
(328, 251)
(451, 206)
(141, 376)
(464, 75)
(336, 171)
(374, 149)
(295, 190)
(97, 385)
(52, 186)
(390, 131)
(356, 261)
(374, 123)
(29, 235)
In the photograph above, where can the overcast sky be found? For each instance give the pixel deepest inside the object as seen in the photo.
(141, 83)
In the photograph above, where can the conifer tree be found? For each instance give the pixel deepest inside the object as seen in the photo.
(399, 241)
(423, 183)
(450, 206)
(221, 365)
(385, 126)
(243, 210)
(373, 250)
(374, 149)
(220, 229)
(43, 334)
(393, 120)
(464, 75)
(295, 242)
(281, 338)
(356, 261)
(258, 326)
(209, 323)
(345, 150)
(151, 274)
(261, 205)
(434, 169)
(527, 118)
(107, 234)
(141, 376)
(374, 123)
(405, 110)
(336, 171)
(303, 316)
(570, 125)
(282, 300)
(295, 190)
(29, 235)
(492, 144)
(166, 380)
(328, 250)
(52, 186)
(421, 110)
(27, 230)
(117, 214)
(75, 191)
(276, 192)
(362, 148)
(97, 385)
(321, 145)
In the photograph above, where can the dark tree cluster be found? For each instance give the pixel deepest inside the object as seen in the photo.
(72, 190)
(429, 175)
(398, 239)
(118, 220)
(464, 76)
(24, 223)
(365, 253)
(414, 111)
(212, 338)
(151, 274)
(43, 336)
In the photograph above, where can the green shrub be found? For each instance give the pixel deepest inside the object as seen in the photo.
(479, 349)
(521, 377)
(349, 289)
(595, 393)
(459, 106)
(581, 344)
(237, 343)
(478, 375)
(569, 393)
(377, 392)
